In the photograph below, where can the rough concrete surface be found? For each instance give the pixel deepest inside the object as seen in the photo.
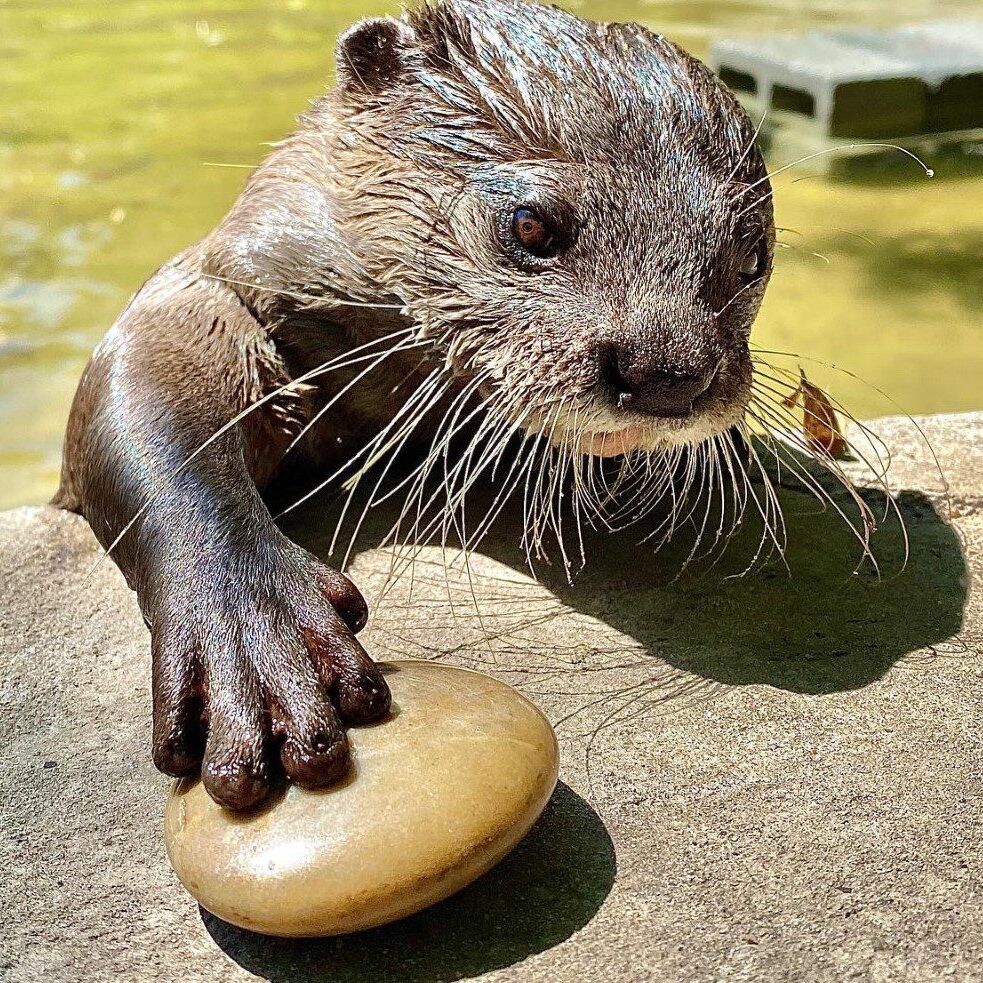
(771, 776)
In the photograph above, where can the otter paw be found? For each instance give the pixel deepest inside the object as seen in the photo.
(256, 668)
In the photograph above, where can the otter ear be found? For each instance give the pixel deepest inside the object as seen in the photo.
(372, 55)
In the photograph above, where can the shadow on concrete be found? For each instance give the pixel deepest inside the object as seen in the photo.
(813, 627)
(545, 890)
(819, 625)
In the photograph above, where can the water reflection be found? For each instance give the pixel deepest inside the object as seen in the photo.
(112, 110)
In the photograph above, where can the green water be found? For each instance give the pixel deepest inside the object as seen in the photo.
(114, 115)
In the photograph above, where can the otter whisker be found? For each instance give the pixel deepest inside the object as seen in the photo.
(706, 475)
(731, 457)
(509, 484)
(490, 431)
(454, 495)
(836, 150)
(540, 448)
(661, 474)
(748, 286)
(679, 499)
(779, 423)
(659, 471)
(868, 521)
(492, 449)
(716, 486)
(534, 475)
(319, 415)
(777, 400)
(563, 461)
(722, 445)
(771, 500)
(310, 299)
(411, 478)
(668, 525)
(769, 507)
(431, 392)
(421, 390)
(506, 422)
(491, 440)
(717, 452)
(694, 470)
(854, 146)
(747, 149)
(550, 473)
(869, 434)
(577, 505)
(560, 460)
(444, 433)
(846, 483)
(398, 424)
(833, 228)
(793, 384)
(882, 452)
(459, 482)
(808, 252)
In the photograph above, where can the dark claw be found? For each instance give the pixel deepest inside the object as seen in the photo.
(235, 786)
(362, 695)
(317, 763)
(346, 599)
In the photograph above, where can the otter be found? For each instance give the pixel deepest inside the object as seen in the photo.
(568, 217)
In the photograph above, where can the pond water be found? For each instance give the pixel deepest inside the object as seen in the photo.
(115, 115)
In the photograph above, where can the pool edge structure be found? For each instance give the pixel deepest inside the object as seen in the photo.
(920, 85)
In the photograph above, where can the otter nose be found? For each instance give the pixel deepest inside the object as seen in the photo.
(652, 389)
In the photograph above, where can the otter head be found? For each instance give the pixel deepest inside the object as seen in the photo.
(576, 213)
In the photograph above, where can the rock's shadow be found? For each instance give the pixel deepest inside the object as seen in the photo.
(545, 890)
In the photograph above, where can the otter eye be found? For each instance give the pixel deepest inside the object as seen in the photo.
(753, 262)
(534, 234)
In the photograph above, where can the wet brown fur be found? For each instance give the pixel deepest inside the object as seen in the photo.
(390, 195)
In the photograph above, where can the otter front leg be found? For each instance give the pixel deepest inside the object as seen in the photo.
(253, 639)
(253, 646)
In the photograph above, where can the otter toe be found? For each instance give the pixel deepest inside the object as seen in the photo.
(178, 753)
(235, 770)
(345, 598)
(178, 740)
(316, 759)
(361, 692)
(237, 784)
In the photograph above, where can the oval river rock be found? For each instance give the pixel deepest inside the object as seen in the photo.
(439, 792)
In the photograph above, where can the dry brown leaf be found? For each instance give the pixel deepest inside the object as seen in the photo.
(820, 425)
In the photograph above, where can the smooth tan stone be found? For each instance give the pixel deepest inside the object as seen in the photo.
(438, 794)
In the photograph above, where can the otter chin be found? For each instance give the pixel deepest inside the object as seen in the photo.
(639, 439)
(613, 444)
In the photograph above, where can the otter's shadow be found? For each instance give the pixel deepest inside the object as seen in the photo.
(815, 623)
(546, 889)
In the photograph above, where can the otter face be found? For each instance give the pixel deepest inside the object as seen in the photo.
(575, 212)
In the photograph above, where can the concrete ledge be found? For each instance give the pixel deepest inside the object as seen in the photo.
(769, 777)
